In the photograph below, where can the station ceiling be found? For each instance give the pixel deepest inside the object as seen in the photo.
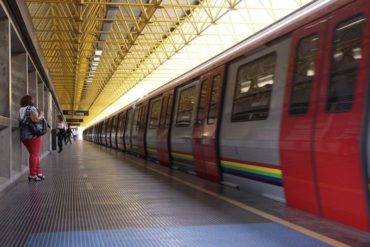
(103, 55)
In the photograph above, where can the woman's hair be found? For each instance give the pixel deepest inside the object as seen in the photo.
(27, 100)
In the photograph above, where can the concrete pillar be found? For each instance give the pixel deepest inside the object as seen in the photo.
(18, 90)
(5, 128)
(32, 80)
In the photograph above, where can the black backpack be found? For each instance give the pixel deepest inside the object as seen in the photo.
(37, 129)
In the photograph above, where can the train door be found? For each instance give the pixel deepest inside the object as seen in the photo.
(142, 130)
(106, 129)
(296, 137)
(100, 139)
(121, 131)
(97, 137)
(206, 124)
(152, 128)
(109, 132)
(337, 162)
(163, 133)
(104, 133)
(338, 135)
(137, 112)
(98, 132)
(114, 132)
(128, 130)
(182, 128)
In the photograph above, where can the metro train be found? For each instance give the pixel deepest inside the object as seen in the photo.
(283, 114)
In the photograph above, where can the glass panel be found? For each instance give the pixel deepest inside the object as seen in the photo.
(141, 117)
(129, 121)
(154, 114)
(215, 98)
(169, 111)
(144, 117)
(253, 89)
(110, 125)
(304, 72)
(115, 120)
(163, 112)
(202, 102)
(104, 127)
(137, 115)
(122, 119)
(186, 106)
(345, 58)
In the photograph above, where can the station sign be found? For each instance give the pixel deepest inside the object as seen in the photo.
(73, 124)
(76, 113)
(69, 120)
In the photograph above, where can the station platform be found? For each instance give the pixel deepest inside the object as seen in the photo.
(93, 196)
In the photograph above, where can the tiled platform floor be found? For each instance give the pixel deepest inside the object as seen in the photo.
(94, 196)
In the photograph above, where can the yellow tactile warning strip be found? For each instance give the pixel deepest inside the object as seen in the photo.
(258, 212)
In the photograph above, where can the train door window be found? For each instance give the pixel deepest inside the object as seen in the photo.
(144, 112)
(168, 111)
(163, 112)
(114, 127)
(215, 97)
(304, 71)
(345, 58)
(253, 89)
(202, 102)
(129, 121)
(105, 127)
(109, 125)
(123, 119)
(155, 113)
(186, 106)
(137, 114)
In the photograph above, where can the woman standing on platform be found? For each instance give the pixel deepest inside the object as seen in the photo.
(32, 143)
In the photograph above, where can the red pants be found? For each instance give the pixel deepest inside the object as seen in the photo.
(33, 146)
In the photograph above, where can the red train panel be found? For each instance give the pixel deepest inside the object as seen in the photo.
(321, 150)
(206, 126)
(164, 129)
(340, 168)
(296, 137)
(142, 129)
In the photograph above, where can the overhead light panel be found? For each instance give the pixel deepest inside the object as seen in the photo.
(98, 52)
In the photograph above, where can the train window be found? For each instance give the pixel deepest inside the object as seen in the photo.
(253, 89)
(304, 72)
(168, 111)
(202, 102)
(215, 97)
(346, 55)
(154, 114)
(185, 107)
